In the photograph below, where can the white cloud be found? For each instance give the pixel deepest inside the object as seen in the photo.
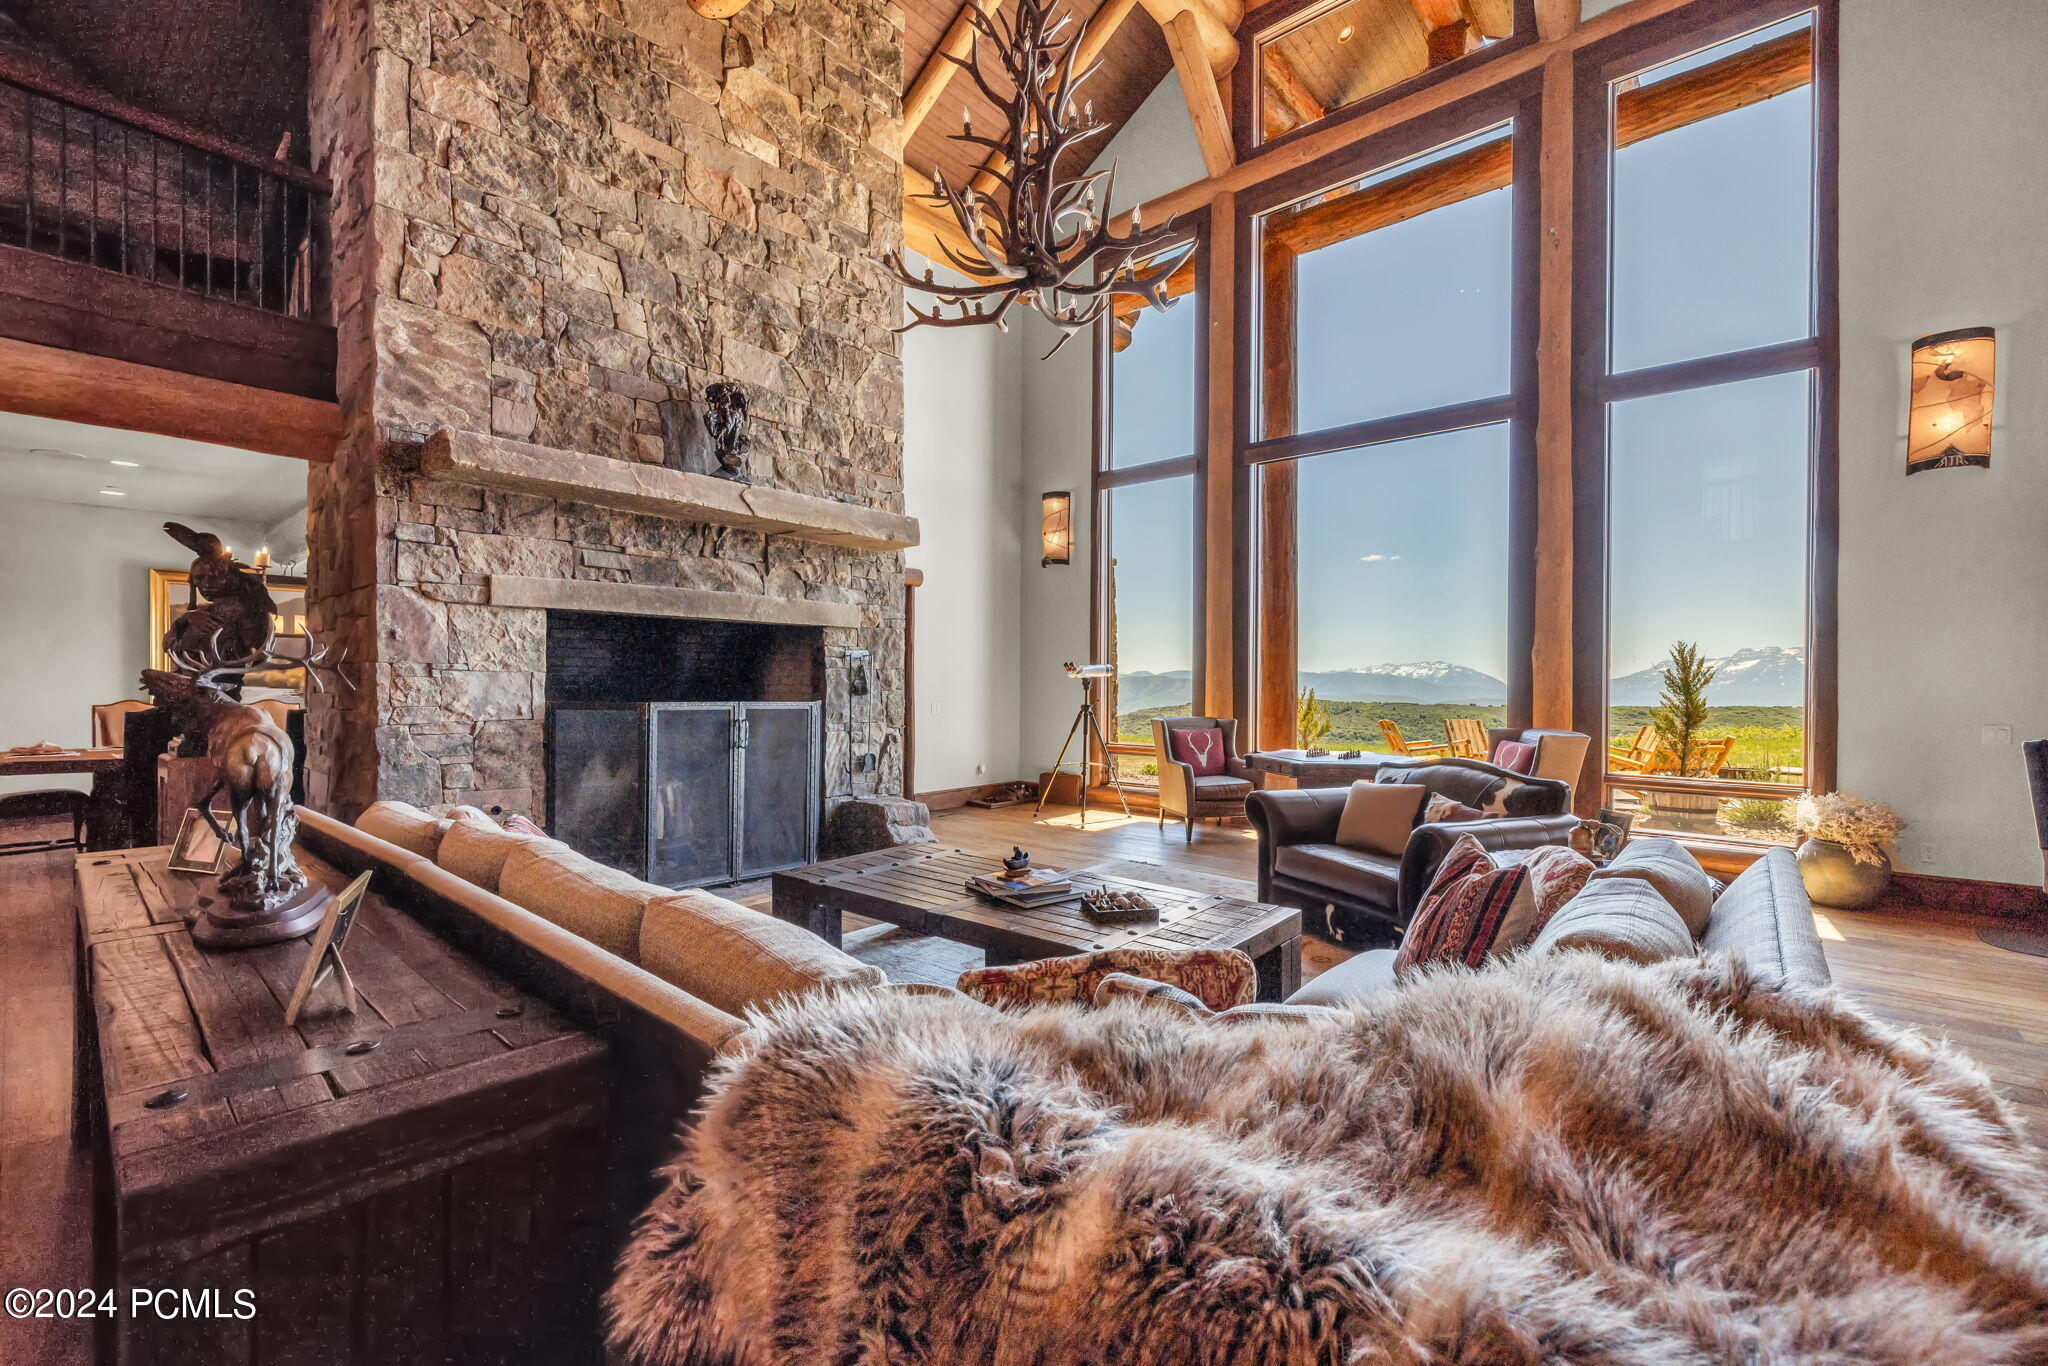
(1376, 559)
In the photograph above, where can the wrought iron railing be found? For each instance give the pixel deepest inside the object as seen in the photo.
(88, 180)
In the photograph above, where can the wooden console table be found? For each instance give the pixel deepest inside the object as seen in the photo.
(415, 1182)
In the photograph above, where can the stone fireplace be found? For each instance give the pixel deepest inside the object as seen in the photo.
(554, 224)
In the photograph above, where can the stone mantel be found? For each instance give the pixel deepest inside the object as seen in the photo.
(650, 600)
(496, 462)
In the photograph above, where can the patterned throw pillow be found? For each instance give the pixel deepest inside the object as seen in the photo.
(520, 825)
(1218, 978)
(1442, 808)
(1199, 748)
(1473, 909)
(1514, 756)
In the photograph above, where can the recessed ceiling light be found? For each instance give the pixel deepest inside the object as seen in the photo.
(115, 493)
(1344, 33)
(127, 464)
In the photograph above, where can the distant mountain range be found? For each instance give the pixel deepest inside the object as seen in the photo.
(1773, 676)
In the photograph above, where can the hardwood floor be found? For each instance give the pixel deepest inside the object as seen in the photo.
(1907, 963)
(45, 1181)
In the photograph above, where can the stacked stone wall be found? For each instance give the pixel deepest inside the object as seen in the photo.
(557, 221)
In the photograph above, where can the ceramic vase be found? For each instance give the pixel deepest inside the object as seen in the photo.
(1833, 877)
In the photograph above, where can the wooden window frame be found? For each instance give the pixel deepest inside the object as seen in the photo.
(1103, 480)
(1277, 19)
(1594, 389)
(1264, 355)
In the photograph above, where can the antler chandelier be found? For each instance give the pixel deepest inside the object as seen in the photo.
(1034, 237)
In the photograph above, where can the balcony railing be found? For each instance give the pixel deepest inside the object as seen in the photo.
(88, 180)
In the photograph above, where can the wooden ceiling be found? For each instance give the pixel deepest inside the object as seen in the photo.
(236, 68)
(1132, 65)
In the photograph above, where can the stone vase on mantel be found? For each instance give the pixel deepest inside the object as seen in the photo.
(1833, 877)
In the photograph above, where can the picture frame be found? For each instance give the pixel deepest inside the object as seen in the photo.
(198, 849)
(323, 955)
(170, 593)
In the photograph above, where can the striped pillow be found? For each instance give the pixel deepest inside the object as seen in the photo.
(1471, 909)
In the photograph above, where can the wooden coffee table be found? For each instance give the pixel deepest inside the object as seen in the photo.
(922, 888)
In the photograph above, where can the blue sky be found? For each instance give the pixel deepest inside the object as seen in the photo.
(1402, 546)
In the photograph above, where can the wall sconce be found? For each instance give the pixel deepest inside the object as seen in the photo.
(1056, 528)
(1948, 422)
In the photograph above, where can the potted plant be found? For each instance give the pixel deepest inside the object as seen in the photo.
(1843, 860)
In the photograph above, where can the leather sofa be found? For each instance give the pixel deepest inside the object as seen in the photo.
(1372, 897)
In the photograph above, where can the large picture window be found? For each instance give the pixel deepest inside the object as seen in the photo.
(1148, 508)
(1392, 579)
(1701, 425)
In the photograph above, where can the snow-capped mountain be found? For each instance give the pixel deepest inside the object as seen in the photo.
(1431, 680)
(1423, 681)
(1773, 676)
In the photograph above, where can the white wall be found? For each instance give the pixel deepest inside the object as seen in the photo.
(1155, 151)
(1944, 576)
(74, 607)
(962, 480)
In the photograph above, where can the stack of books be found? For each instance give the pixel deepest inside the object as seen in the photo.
(1032, 887)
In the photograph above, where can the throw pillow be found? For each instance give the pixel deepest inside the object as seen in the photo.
(1673, 873)
(1556, 875)
(404, 825)
(1472, 909)
(1621, 917)
(1514, 755)
(1219, 978)
(476, 852)
(521, 825)
(1442, 808)
(1199, 748)
(1160, 995)
(1379, 817)
(736, 958)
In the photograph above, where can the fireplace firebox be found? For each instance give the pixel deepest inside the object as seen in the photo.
(685, 752)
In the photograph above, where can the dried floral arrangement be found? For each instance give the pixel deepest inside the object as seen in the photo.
(1864, 828)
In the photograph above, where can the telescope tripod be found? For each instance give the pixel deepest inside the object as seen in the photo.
(1086, 724)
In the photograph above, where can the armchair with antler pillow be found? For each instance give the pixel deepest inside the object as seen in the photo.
(1201, 774)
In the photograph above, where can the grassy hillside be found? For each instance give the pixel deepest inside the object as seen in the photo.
(1765, 737)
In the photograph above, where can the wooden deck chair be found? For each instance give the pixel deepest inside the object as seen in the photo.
(1709, 757)
(1467, 736)
(1637, 755)
(1413, 749)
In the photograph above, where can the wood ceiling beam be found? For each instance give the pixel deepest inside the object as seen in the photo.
(1198, 86)
(1555, 19)
(1746, 78)
(1337, 135)
(939, 68)
(1281, 77)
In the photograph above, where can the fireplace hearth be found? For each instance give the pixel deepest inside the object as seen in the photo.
(685, 752)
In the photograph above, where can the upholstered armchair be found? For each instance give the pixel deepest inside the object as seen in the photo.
(1372, 897)
(1191, 796)
(1560, 754)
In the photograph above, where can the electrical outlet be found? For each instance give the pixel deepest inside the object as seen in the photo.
(1994, 736)
(935, 707)
(981, 770)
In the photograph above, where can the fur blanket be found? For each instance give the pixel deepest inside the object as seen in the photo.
(1557, 1160)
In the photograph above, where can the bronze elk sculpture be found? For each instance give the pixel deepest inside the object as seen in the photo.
(224, 637)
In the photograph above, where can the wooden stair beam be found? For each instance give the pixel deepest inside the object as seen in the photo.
(938, 72)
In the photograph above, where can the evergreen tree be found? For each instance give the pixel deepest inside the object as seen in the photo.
(1311, 721)
(1682, 708)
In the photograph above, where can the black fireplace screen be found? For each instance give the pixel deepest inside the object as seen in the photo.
(688, 793)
